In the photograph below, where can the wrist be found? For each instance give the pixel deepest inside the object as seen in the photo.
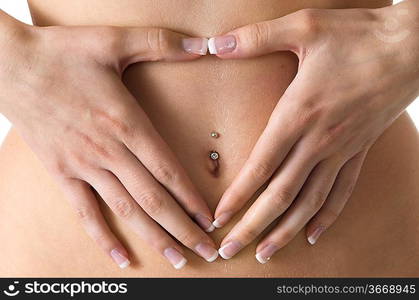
(16, 40)
(13, 34)
(407, 14)
(398, 32)
(400, 27)
(393, 38)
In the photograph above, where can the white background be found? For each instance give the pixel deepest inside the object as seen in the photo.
(19, 10)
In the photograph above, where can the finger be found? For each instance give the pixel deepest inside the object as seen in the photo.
(158, 44)
(161, 207)
(280, 135)
(152, 151)
(85, 203)
(121, 203)
(309, 201)
(282, 34)
(275, 199)
(339, 195)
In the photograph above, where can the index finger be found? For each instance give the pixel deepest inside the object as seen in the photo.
(158, 204)
(272, 147)
(146, 144)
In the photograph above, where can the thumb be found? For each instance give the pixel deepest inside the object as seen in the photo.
(136, 44)
(281, 34)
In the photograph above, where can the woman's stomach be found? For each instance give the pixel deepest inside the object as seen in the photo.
(186, 103)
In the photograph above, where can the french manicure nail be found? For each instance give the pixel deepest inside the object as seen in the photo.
(230, 249)
(207, 252)
(312, 239)
(195, 45)
(121, 260)
(221, 44)
(175, 258)
(205, 223)
(264, 255)
(222, 220)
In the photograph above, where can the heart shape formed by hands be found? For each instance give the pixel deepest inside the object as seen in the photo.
(310, 153)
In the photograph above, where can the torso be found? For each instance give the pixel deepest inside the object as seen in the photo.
(376, 235)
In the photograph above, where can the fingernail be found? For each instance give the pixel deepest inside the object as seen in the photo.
(222, 220)
(207, 252)
(195, 45)
(121, 260)
(204, 222)
(175, 258)
(230, 249)
(221, 44)
(312, 239)
(264, 255)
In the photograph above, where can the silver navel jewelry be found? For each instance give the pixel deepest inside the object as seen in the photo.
(214, 155)
(215, 134)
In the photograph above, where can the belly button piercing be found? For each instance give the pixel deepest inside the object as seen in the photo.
(214, 155)
(214, 163)
(215, 134)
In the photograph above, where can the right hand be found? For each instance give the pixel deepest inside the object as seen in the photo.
(63, 92)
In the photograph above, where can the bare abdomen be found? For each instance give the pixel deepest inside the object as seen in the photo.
(375, 236)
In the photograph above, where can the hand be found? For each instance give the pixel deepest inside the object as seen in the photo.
(352, 83)
(62, 89)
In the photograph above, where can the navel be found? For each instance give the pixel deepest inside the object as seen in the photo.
(214, 157)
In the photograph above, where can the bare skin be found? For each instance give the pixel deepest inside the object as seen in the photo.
(314, 145)
(204, 104)
(91, 133)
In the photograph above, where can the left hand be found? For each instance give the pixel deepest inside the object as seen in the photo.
(353, 81)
